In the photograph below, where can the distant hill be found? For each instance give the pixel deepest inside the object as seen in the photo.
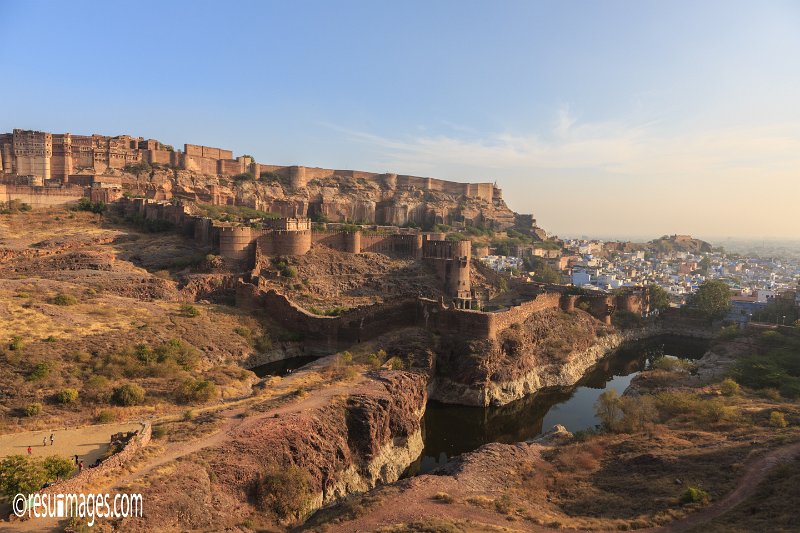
(679, 243)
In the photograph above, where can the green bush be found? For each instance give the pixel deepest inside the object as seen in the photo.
(57, 467)
(85, 204)
(729, 387)
(20, 474)
(182, 353)
(16, 343)
(373, 360)
(196, 391)
(67, 396)
(262, 343)
(694, 495)
(65, 299)
(730, 332)
(395, 363)
(243, 331)
(106, 417)
(39, 372)
(777, 420)
(285, 491)
(336, 311)
(778, 369)
(128, 394)
(189, 310)
(608, 408)
(33, 409)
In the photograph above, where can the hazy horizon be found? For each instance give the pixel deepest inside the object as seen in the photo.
(693, 129)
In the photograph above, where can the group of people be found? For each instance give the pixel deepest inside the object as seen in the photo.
(78, 460)
(44, 443)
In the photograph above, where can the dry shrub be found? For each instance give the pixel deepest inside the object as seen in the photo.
(580, 458)
(443, 497)
(284, 491)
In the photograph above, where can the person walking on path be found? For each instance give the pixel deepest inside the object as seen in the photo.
(30, 451)
(51, 439)
(44, 441)
(80, 467)
(76, 460)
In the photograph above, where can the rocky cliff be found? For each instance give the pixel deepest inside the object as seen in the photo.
(350, 443)
(334, 198)
(550, 349)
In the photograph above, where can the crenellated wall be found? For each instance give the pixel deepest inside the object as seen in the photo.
(284, 242)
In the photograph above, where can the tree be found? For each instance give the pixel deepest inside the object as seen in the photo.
(542, 272)
(712, 299)
(18, 474)
(659, 298)
(128, 394)
(608, 409)
(57, 467)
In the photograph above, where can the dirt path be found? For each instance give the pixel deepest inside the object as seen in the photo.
(231, 422)
(88, 442)
(753, 476)
(173, 451)
(416, 503)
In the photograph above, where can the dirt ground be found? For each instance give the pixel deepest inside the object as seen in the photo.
(89, 442)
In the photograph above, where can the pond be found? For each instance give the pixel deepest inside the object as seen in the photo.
(450, 430)
(282, 367)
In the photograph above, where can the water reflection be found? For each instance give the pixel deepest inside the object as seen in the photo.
(450, 430)
(283, 367)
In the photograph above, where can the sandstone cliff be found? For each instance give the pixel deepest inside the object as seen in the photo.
(335, 198)
(550, 349)
(349, 444)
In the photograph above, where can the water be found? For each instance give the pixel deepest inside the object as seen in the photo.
(283, 367)
(450, 430)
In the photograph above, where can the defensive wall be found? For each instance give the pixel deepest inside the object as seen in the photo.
(323, 334)
(40, 197)
(58, 156)
(89, 476)
(299, 177)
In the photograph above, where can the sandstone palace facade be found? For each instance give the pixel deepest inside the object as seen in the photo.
(53, 156)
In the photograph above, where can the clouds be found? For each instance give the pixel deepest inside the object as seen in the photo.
(704, 178)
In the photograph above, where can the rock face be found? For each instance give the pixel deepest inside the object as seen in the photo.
(551, 349)
(334, 198)
(343, 444)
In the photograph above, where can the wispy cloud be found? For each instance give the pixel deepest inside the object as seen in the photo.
(708, 176)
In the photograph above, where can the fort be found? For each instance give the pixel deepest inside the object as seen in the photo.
(251, 248)
(107, 166)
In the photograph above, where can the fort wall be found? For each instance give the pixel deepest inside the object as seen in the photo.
(41, 197)
(284, 242)
(89, 476)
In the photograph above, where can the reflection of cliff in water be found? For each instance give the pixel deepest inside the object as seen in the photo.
(283, 367)
(450, 430)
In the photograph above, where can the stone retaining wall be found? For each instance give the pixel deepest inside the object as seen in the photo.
(77, 483)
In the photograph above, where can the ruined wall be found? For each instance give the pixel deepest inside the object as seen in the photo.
(324, 333)
(40, 197)
(79, 482)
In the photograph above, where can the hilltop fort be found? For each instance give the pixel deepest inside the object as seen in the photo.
(43, 169)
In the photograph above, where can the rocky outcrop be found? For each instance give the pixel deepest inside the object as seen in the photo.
(341, 444)
(551, 349)
(335, 198)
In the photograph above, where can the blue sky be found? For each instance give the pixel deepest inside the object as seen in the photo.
(632, 118)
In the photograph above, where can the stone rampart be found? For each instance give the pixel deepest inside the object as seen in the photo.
(89, 476)
(40, 197)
